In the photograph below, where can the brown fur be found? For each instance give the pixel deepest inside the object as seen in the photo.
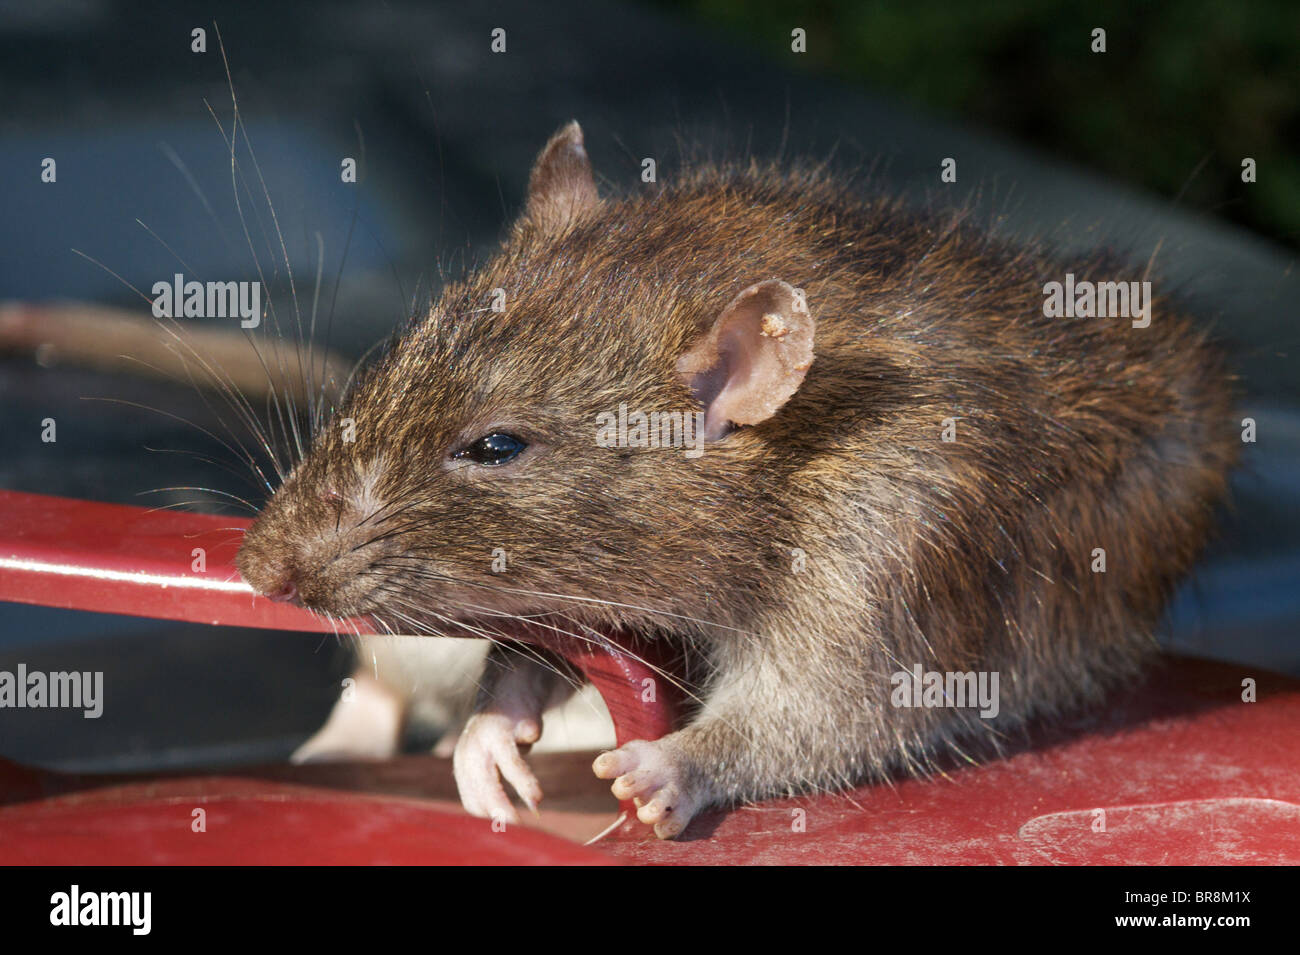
(1072, 434)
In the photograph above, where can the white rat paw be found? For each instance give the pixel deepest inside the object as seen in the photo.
(365, 723)
(652, 776)
(487, 750)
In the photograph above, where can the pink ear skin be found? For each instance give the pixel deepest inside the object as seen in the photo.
(561, 186)
(753, 359)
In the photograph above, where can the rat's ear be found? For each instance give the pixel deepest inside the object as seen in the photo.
(753, 359)
(561, 185)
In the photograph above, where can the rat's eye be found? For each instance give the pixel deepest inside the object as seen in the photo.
(496, 448)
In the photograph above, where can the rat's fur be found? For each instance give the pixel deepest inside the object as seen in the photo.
(1072, 434)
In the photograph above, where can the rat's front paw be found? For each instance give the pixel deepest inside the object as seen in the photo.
(487, 750)
(653, 777)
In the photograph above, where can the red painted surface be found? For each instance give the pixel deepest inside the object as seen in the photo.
(1185, 772)
(253, 822)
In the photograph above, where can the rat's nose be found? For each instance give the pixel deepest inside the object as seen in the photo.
(285, 593)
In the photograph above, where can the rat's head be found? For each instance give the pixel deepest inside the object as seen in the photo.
(496, 460)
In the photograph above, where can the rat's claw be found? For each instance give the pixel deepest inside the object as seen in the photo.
(649, 775)
(486, 752)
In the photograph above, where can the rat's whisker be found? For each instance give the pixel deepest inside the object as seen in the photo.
(252, 509)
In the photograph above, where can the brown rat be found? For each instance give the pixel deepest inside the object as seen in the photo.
(906, 463)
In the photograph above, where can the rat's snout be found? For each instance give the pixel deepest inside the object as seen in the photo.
(266, 563)
(272, 579)
(306, 551)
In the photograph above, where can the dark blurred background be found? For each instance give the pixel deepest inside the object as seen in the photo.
(1139, 148)
(1186, 89)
